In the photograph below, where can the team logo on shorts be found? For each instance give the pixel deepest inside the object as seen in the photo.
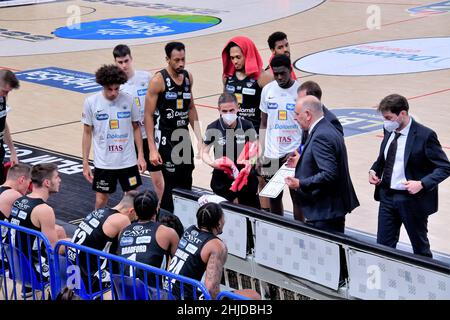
(132, 181)
(282, 115)
(114, 124)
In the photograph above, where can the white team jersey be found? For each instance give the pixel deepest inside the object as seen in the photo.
(137, 88)
(112, 130)
(283, 134)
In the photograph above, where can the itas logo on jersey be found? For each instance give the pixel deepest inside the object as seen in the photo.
(115, 148)
(284, 140)
(171, 95)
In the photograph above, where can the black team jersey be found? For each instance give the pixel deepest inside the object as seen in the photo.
(21, 216)
(90, 234)
(188, 261)
(248, 94)
(138, 243)
(173, 103)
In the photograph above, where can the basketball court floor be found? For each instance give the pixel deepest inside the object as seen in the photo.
(357, 50)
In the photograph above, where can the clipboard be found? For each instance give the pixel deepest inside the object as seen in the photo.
(274, 187)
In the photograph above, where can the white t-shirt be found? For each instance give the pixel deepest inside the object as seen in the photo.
(137, 88)
(112, 129)
(283, 134)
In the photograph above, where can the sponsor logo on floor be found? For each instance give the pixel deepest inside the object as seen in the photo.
(143, 23)
(431, 8)
(359, 121)
(380, 58)
(137, 27)
(61, 78)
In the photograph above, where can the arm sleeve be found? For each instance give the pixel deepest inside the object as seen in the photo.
(86, 116)
(209, 135)
(263, 102)
(135, 115)
(438, 158)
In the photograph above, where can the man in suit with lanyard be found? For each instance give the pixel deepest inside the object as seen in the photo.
(409, 167)
(322, 182)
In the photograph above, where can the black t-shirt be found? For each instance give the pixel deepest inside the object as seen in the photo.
(21, 216)
(228, 142)
(187, 260)
(90, 234)
(138, 243)
(248, 93)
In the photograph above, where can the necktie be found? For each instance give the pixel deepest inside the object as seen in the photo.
(305, 135)
(390, 160)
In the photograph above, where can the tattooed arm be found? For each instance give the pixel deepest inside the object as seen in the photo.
(216, 255)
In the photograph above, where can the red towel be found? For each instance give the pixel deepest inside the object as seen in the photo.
(227, 165)
(253, 61)
(249, 153)
(7, 165)
(293, 76)
(242, 178)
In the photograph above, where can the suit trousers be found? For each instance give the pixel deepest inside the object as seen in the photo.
(330, 225)
(398, 207)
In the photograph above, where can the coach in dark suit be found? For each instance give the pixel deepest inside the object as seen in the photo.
(410, 165)
(322, 184)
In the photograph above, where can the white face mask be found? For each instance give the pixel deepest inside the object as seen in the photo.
(229, 118)
(391, 125)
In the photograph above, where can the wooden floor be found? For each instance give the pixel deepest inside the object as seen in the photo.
(50, 117)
